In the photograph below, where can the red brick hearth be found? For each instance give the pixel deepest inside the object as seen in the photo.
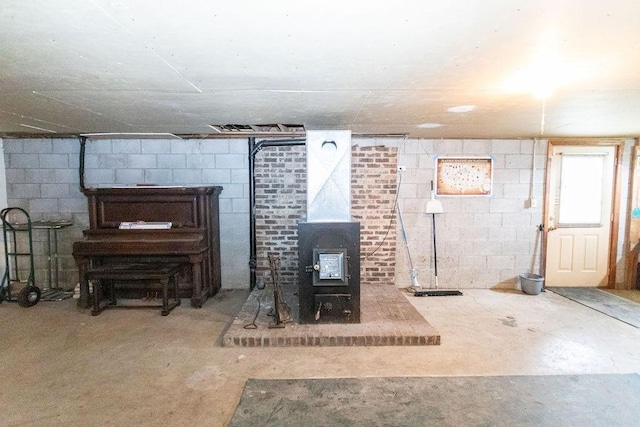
(387, 319)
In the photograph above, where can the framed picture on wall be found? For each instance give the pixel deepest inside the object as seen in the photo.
(464, 176)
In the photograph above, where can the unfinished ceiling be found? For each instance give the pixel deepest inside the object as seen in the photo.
(426, 69)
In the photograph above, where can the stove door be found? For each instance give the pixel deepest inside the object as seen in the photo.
(333, 308)
(330, 267)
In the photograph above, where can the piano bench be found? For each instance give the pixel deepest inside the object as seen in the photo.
(164, 274)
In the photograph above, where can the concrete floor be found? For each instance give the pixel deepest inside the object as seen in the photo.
(61, 366)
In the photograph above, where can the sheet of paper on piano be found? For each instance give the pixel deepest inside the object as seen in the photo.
(141, 225)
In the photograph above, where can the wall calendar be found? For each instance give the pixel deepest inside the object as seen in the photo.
(464, 176)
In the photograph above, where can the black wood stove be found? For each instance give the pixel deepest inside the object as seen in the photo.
(329, 243)
(329, 271)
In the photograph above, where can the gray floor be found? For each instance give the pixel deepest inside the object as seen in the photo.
(606, 303)
(520, 400)
(61, 366)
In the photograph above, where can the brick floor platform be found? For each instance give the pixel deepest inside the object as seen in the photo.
(387, 318)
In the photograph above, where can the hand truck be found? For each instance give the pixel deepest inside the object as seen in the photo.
(16, 221)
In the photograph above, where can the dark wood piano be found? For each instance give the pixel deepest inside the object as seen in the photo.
(193, 241)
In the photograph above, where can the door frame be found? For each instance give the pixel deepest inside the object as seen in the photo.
(632, 238)
(618, 143)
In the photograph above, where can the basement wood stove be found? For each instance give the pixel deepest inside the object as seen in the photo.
(329, 272)
(329, 243)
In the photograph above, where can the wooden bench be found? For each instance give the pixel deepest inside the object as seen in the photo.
(108, 274)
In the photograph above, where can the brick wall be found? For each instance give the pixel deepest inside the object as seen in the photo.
(281, 202)
(281, 205)
(373, 187)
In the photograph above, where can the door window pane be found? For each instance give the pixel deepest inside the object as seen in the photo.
(581, 189)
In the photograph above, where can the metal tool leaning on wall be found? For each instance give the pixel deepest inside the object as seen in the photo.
(433, 207)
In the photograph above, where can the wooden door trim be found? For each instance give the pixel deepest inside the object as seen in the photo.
(632, 246)
(618, 143)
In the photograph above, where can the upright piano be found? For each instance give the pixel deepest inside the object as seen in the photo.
(193, 241)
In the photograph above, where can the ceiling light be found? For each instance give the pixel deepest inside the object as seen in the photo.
(429, 125)
(461, 108)
(548, 69)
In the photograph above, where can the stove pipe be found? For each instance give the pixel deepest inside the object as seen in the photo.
(329, 176)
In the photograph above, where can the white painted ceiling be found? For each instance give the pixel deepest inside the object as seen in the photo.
(374, 67)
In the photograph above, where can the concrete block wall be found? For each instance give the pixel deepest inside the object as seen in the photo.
(42, 177)
(482, 242)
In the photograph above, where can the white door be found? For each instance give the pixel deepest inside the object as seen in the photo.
(580, 201)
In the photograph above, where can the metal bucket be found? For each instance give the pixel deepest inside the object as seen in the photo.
(531, 284)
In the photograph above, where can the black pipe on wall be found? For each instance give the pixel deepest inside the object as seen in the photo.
(255, 148)
(83, 144)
